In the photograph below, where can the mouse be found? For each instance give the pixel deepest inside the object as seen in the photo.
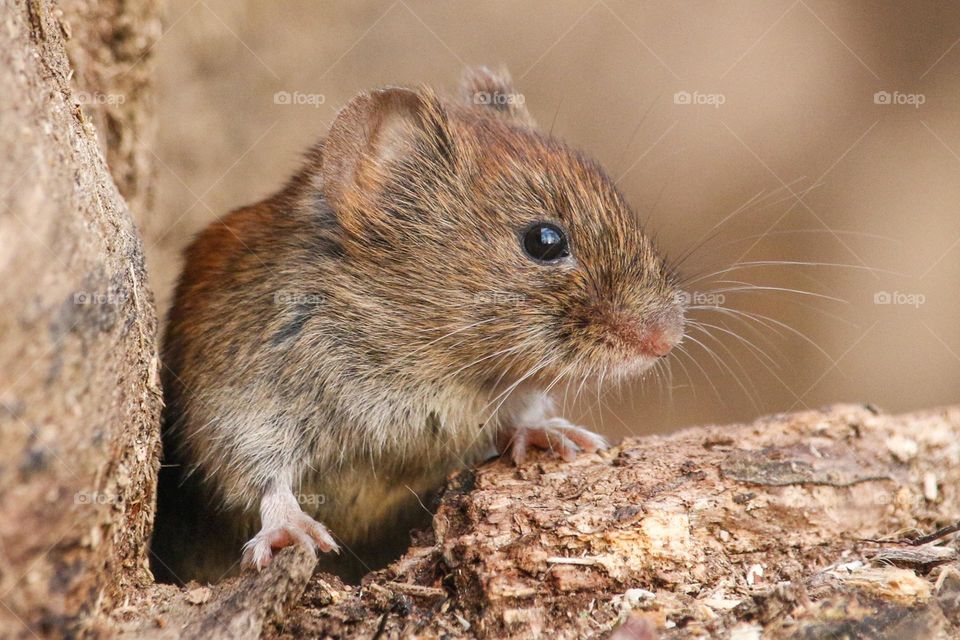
(406, 306)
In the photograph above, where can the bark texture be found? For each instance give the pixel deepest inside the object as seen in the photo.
(79, 394)
(807, 525)
(110, 47)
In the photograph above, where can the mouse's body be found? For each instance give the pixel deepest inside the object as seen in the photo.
(401, 309)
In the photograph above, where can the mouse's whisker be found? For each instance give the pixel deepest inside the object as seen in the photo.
(794, 300)
(757, 317)
(756, 287)
(703, 326)
(668, 366)
(443, 337)
(657, 373)
(497, 354)
(569, 380)
(603, 394)
(682, 351)
(761, 335)
(752, 203)
(712, 233)
(563, 373)
(774, 374)
(542, 364)
(697, 364)
(505, 394)
(526, 348)
(599, 390)
(831, 232)
(684, 282)
(583, 381)
(751, 397)
(742, 315)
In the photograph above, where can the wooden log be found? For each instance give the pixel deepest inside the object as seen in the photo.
(806, 525)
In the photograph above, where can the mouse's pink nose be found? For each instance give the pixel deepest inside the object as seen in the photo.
(653, 336)
(660, 338)
(663, 334)
(651, 339)
(658, 342)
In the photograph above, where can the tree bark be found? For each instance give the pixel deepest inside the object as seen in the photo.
(110, 48)
(806, 525)
(79, 392)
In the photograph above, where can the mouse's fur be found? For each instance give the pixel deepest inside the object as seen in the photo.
(375, 324)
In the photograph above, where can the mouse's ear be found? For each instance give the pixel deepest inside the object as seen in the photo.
(486, 89)
(376, 130)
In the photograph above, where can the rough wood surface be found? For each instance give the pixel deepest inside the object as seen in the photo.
(232, 610)
(804, 525)
(79, 395)
(110, 45)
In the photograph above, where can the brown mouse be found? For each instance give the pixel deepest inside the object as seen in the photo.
(402, 307)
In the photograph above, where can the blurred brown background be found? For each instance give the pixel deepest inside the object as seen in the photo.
(765, 110)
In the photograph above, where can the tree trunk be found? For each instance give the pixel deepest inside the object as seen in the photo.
(805, 525)
(79, 392)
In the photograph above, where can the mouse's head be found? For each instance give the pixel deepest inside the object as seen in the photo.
(486, 249)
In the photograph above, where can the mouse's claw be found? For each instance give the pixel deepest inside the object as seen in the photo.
(554, 434)
(259, 550)
(284, 524)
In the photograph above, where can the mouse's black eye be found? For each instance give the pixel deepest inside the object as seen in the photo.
(545, 242)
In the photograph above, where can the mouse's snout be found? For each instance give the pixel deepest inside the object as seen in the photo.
(647, 338)
(671, 326)
(661, 334)
(661, 337)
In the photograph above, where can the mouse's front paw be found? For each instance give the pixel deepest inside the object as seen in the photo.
(290, 529)
(554, 434)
